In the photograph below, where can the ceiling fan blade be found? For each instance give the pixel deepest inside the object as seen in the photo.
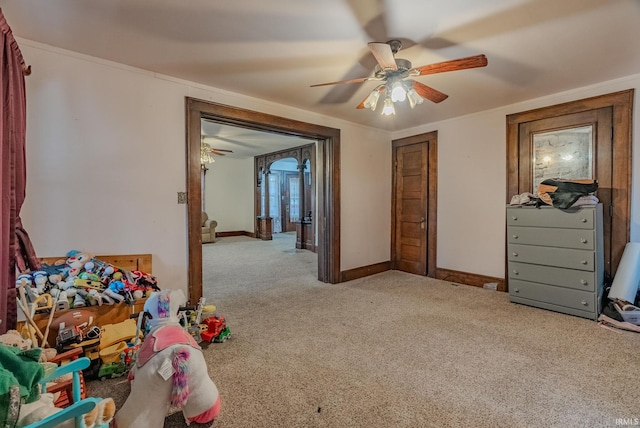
(216, 152)
(222, 150)
(453, 65)
(428, 92)
(358, 80)
(384, 55)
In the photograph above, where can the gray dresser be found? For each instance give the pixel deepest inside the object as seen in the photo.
(555, 258)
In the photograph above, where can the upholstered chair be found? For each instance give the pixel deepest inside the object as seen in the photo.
(208, 229)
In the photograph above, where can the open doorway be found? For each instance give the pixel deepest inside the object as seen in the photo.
(284, 195)
(328, 182)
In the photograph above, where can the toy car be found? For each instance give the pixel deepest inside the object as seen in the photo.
(67, 336)
(215, 325)
(110, 370)
(223, 336)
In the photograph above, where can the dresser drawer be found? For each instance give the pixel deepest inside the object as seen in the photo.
(581, 239)
(577, 279)
(579, 218)
(559, 257)
(567, 297)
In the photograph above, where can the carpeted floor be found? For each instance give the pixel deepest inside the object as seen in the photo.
(398, 350)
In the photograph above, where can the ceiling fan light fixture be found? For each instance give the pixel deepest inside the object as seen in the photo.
(398, 92)
(414, 98)
(372, 100)
(205, 153)
(388, 108)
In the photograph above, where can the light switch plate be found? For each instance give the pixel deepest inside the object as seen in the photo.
(182, 197)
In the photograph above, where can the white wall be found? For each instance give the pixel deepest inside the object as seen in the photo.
(229, 194)
(106, 158)
(472, 180)
(366, 215)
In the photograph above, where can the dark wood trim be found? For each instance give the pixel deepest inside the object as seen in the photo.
(468, 278)
(235, 233)
(362, 271)
(432, 195)
(622, 105)
(328, 141)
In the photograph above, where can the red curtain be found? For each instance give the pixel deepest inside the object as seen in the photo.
(14, 239)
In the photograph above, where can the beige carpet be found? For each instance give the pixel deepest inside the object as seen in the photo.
(398, 350)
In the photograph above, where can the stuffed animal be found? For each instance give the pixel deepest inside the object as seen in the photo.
(17, 340)
(33, 412)
(14, 338)
(170, 371)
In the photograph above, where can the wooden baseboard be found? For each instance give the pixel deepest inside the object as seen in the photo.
(361, 272)
(459, 277)
(235, 233)
(467, 278)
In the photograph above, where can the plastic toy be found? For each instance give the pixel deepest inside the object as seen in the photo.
(190, 318)
(170, 371)
(223, 336)
(215, 326)
(111, 370)
(67, 336)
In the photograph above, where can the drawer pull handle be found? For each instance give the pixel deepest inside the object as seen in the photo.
(583, 240)
(515, 254)
(514, 218)
(517, 290)
(515, 236)
(515, 272)
(584, 303)
(583, 282)
(584, 220)
(584, 262)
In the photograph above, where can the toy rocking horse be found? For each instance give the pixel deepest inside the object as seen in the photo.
(170, 371)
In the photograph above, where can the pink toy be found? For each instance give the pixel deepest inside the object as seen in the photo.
(170, 371)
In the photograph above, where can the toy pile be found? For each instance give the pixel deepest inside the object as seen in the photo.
(81, 280)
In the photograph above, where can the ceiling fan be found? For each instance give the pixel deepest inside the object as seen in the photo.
(207, 152)
(219, 151)
(396, 73)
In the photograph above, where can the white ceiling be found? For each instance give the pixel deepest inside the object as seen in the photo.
(275, 49)
(246, 143)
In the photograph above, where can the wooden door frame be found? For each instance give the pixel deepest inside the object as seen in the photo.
(622, 105)
(328, 175)
(431, 138)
